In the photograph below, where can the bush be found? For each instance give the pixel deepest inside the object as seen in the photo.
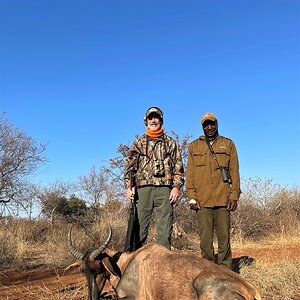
(264, 209)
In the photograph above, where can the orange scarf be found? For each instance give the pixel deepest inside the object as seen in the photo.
(154, 134)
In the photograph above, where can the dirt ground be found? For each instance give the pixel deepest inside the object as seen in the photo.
(28, 285)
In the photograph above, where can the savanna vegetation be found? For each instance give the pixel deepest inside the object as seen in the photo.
(34, 219)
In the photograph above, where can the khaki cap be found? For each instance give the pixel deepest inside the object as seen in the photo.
(208, 116)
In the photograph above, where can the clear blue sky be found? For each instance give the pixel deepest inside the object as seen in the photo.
(79, 75)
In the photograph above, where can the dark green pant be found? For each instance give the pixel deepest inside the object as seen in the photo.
(210, 220)
(149, 198)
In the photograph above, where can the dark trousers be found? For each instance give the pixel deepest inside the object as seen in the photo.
(150, 198)
(210, 220)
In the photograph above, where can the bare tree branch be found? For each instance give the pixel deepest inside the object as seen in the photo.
(20, 156)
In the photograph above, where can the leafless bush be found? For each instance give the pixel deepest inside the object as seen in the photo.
(266, 208)
(186, 222)
(251, 222)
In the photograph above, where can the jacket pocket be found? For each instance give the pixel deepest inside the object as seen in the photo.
(200, 159)
(223, 158)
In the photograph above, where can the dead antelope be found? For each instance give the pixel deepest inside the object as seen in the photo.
(156, 273)
(94, 264)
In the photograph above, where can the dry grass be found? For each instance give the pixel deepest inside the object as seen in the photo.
(274, 241)
(276, 270)
(26, 244)
(276, 281)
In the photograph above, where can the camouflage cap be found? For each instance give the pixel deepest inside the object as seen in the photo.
(208, 116)
(151, 110)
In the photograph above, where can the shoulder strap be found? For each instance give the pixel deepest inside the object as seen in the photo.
(164, 142)
(227, 175)
(147, 141)
(165, 146)
(212, 152)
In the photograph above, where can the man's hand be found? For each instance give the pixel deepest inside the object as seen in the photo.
(129, 193)
(174, 195)
(232, 205)
(193, 204)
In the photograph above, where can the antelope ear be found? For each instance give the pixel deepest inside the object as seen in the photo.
(74, 265)
(111, 266)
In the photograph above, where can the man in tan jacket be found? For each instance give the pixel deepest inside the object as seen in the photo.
(213, 187)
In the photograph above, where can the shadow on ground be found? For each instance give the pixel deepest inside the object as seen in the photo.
(240, 262)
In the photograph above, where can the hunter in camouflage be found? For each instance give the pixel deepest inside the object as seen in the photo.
(156, 161)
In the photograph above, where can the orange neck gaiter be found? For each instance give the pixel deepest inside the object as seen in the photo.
(154, 134)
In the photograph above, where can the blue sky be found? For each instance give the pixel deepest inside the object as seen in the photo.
(79, 75)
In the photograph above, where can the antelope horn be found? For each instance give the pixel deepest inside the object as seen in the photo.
(96, 252)
(77, 254)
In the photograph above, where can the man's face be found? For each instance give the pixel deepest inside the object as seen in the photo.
(153, 122)
(210, 127)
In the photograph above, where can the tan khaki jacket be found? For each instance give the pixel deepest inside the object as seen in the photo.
(204, 182)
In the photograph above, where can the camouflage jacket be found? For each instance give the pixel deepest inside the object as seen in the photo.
(154, 162)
